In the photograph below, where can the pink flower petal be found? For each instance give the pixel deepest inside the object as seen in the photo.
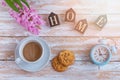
(28, 18)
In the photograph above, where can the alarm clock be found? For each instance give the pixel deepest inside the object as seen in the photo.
(101, 53)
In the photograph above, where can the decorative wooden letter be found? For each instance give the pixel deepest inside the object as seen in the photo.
(101, 21)
(53, 19)
(81, 26)
(70, 15)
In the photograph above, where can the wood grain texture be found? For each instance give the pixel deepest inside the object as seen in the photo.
(64, 37)
(80, 6)
(80, 70)
(81, 46)
(8, 27)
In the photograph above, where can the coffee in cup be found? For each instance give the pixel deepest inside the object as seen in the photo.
(32, 51)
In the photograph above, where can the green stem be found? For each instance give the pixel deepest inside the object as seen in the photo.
(12, 3)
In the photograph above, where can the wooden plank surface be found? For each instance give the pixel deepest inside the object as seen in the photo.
(85, 9)
(80, 6)
(64, 37)
(80, 70)
(81, 46)
(8, 27)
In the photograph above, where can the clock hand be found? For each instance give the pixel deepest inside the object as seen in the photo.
(100, 52)
(104, 56)
(103, 53)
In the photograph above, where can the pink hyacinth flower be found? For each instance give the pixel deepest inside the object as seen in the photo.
(3, 3)
(28, 18)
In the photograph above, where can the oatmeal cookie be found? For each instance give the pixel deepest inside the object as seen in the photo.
(66, 57)
(57, 65)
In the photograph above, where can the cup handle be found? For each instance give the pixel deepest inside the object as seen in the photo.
(18, 60)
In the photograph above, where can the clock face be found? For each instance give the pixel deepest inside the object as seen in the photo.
(100, 54)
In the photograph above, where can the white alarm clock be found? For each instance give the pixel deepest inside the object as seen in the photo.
(101, 53)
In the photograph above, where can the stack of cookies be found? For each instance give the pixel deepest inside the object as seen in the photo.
(64, 59)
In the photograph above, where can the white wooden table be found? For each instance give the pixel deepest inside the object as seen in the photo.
(64, 37)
